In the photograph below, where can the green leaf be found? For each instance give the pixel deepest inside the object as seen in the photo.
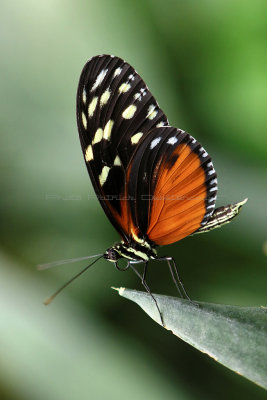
(234, 336)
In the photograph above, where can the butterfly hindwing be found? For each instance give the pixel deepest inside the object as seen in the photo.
(115, 110)
(173, 184)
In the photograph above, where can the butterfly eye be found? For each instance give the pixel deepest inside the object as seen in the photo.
(112, 255)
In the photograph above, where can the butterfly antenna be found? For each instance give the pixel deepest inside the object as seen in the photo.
(49, 300)
(52, 264)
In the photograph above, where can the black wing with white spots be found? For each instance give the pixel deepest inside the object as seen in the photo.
(115, 112)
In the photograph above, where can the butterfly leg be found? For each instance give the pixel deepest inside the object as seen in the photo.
(146, 286)
(144, 273)
(176, 278)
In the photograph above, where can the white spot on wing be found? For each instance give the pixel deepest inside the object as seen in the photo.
(104, 98)
(213, 181)
(107, 129)
(124, 87)
(84, 95)
(99, 79)
(160, 124)
(212, 171)
(98, 136)
(212, 199)
(89, 153)
(137, 96)
(203, 151)
(135, 138)
(212, 206)
(92, 106)
(155, 142)
(104, 174)
(84, 121)
(128, 113)
(172, 140)
(117, 161)
(151, 112)
(117, 72)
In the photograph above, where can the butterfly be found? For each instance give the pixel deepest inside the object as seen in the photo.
(156, 183)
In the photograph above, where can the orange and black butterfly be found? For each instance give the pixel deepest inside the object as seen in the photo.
(156, 183)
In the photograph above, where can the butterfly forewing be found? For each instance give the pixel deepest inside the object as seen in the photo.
(115, 112)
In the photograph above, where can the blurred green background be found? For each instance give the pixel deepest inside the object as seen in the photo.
(205, 62)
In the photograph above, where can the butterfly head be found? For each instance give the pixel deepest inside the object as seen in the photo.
(112, 254)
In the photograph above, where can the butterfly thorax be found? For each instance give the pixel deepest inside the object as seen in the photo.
(131, 251)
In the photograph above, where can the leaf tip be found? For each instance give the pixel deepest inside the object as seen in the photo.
(120, 290)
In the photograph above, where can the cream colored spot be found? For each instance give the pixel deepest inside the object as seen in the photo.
(160, 124)
(84, 96)
(99, 79)
(117, 72)
(104, 98)
(124, 87)
(84, 120)
(128, 113)
(135, 138)
(137, 96)
(107, 129)
(104, 174)
(89, 153)
(98, 136)
(117, 161)
(92, 106)
(151, 113)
